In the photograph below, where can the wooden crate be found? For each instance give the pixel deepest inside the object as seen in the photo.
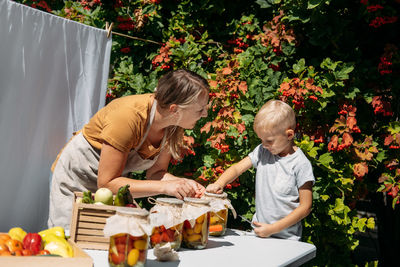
(87, 224)
(80, 259)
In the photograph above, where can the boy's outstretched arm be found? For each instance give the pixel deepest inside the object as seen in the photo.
(304, 208)
(229, 175)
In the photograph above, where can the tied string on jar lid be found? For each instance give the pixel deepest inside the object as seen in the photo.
(166, 212)
(219, 202)
(133, 221)
(194, 208)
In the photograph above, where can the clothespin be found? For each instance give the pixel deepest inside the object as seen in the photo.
(109, 28)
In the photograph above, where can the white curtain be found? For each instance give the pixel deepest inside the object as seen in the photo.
(53, 78)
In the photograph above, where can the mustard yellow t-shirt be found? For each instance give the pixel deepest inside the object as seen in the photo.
(122, 123)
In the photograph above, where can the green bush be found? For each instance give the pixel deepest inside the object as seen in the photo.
(335, 62)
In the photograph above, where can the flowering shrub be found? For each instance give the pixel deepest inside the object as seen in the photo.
(335, 62)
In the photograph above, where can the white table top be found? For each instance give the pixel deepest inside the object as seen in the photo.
(236, 248)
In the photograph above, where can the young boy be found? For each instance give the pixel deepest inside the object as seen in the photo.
(284, 176)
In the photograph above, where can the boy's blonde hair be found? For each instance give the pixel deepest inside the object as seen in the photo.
(275, 115)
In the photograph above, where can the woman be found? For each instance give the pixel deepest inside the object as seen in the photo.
(132, 133)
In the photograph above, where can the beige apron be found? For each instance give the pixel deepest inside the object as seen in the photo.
(77, 169)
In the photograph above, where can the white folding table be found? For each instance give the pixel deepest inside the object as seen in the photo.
(236, 248)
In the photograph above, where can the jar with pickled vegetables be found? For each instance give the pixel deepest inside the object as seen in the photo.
(219, 215)
(129, 233)
(195, 227)
(165, 217)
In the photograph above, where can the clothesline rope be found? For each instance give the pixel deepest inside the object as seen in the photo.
(109, 31)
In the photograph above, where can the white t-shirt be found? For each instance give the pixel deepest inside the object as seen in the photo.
(278, 180)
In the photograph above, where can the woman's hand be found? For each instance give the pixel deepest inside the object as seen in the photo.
(263, 229)
(214, 188)
(182, 187)
(198, 188)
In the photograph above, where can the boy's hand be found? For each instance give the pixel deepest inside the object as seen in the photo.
(214, 188)
(263, 229)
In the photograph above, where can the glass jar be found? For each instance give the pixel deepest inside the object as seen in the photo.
(195, 232)
(173, 234)
(126, 249)
(218, 219)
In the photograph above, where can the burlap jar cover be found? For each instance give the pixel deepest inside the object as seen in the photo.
(166, 212)
(132, 221)
(219, 202)
(194, 208)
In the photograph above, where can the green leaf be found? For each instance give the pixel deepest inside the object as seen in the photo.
(326, 159)
(343, 74)
(313, 152)
(263, 3)
(328, 64)
(381, 156)
(324, 197)
(371, 223)
(208, 161)
(313, 3)
(352, 93)
(260, 65)
(248, 118)
(394, 127)
(299, 66)
(395, 201)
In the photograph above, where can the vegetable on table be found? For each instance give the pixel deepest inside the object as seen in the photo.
(57, 231)
(57, 245)
(87, 197)
(33, 242)
(104, 195)
(215, 228)
(124, 197)
(17, 233)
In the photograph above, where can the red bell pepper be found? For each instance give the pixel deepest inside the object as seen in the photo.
(33, 241)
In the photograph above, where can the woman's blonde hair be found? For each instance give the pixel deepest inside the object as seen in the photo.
(275, 115)
(180, 87)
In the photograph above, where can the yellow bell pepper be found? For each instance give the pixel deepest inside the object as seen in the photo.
(58, 231)
(58, 245)
(17, 233)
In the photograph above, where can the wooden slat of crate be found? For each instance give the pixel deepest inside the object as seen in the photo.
(89, 225)
(96, 239)
(93, 232)
(101, 220)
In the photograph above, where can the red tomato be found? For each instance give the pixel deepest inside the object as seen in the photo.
(120, 239)
(121, 248)
(27, 252)
(44, 252)
(117, 258)
(171, 234)
(155, 238)
(186, 224)
(165, 237)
